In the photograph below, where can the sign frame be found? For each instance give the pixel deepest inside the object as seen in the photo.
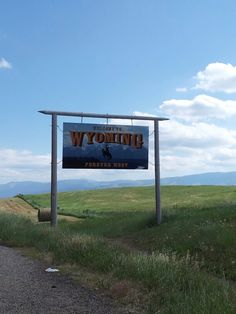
(54, 115)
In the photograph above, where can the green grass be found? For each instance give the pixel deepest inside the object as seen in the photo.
(139, 199)
(100, 201)
(171, 282)
(198, 221)
(187, 264)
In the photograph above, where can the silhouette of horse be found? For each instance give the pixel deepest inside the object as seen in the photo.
(106, 153)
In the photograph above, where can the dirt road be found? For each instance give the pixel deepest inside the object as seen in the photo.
(25, 288)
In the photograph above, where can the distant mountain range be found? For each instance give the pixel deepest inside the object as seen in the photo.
(28, 187)
(211, 178)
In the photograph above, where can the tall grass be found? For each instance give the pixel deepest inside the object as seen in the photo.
(175, 286)
(199, 221)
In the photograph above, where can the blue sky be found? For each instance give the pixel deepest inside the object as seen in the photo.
(167, 58)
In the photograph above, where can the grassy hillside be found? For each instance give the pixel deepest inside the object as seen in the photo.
(199, 221)
(185, 265)
(140, 198)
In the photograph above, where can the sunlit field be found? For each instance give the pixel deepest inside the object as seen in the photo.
(185, 265)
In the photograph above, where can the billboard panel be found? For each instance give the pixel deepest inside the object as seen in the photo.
(96, 146)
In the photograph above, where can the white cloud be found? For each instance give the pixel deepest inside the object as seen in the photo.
(190, 142)
(196, 148)
(181, 89)
(196, 135)
(106, 175)
(202, 107)
(192, 147)
(4, 64)
(199, 162)
(217, 77)
(23, 165)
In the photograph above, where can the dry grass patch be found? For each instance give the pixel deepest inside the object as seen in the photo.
(17, 206)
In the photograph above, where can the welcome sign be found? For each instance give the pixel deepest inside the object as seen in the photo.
(96, 146)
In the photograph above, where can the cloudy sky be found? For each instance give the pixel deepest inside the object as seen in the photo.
(173, 59)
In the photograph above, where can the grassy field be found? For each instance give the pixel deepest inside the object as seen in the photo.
(185, 265)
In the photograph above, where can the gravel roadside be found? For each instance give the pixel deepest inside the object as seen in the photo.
(25, 287)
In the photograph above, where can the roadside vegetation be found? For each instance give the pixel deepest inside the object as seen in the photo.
(185, 265)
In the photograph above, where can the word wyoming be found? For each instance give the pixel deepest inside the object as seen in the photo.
(132, 139)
